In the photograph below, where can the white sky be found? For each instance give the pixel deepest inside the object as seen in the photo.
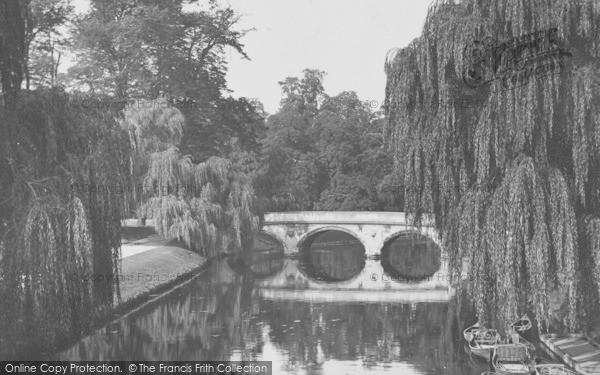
(348, 39)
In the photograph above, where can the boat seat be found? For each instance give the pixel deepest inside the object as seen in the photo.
(514, 367)
(564, 341)
(573, 345)
(586, 355)
(592, 364)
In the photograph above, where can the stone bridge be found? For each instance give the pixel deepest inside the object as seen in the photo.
(373, 229)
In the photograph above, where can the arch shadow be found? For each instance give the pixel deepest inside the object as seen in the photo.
(331, 263)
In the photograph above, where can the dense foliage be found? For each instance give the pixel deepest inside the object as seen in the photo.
(512, 178)
(54, 231)
(152, 49)
(70, 164)
(322, 152)
(209, 205)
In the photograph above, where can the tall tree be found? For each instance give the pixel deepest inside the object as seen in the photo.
(12, 48)
(322, 152)
(511, 178)
(43, 36)
(152, 49)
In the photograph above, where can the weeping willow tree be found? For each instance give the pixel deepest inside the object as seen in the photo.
(55, 233)
(210, 206)
(512, 179)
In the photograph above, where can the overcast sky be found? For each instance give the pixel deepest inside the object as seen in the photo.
(348, 39)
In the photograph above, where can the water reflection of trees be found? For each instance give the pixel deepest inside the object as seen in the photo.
(261, 264)
(203, 320)
(378, 333)
(222, 315)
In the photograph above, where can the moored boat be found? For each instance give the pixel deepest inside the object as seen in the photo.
(513, 359)
(576, 350)
(479, 364)
(471, 331)
(482, 343)
(528, 345)
(515, 338)
(523, 324)
(554, 369)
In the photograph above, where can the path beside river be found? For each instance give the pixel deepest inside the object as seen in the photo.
(151, 265)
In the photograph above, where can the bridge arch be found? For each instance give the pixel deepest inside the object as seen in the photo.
(323, 264)
(269, 236)
(425, 232)
(311, 233)
(422, 262)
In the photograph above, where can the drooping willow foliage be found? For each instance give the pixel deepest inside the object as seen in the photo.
(509, 168)
(60, 227)
(210, 206)
(153, 126)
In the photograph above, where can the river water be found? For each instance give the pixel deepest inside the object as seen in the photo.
(319, 313)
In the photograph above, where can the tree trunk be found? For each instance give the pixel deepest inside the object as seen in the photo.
(12, 48)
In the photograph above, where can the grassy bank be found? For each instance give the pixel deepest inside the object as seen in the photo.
(154, 271)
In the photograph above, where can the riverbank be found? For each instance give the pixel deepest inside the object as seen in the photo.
(150, 265)
(149, 273)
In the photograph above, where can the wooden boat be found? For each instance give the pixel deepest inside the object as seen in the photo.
(522, 324)
(576, 350)
(554, 369)
(530, 347)
(473, 330)
(478, 364)
(484, 341)
(512, 359)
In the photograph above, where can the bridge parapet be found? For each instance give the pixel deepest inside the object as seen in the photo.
(341, 217)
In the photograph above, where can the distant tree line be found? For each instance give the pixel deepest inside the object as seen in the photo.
(323, 152)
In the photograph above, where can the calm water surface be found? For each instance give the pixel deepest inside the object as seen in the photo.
(310, 314)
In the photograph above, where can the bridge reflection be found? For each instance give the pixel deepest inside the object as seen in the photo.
(225, 315)
(409, 270)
